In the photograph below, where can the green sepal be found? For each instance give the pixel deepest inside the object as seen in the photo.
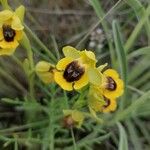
(20, 11)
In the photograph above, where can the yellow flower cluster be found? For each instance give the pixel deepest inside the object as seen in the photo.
(77, 70)
(11, 30)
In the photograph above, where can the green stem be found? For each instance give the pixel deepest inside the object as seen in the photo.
(38, 41)
(73, 139)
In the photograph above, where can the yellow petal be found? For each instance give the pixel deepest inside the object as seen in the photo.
(117, 92)
(101, 67)
(88, 57)
(46, 77)
(59, 79)
(16, 23)
(20, 12)
(69, 51)
(19, 35)
(83, 81)
(61, 65)
(43, 66)
(111, 107)
(111, 73)
(1, 34)
(5, 15)
(8, 45)
(6, 51)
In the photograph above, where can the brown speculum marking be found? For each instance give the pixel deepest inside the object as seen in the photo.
(111, 84)
(73, 71)
(107, 102)
(8, 33)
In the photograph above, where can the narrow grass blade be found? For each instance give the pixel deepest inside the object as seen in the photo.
(140, 11)
(100, 13)
(137, 29)
(120, 55)
(123, 142)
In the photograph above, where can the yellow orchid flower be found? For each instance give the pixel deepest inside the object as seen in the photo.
(45, 71)
(112, 85)
(110, 105)
(11, 30)
(76, 70)
(98, 102)
(73, 118)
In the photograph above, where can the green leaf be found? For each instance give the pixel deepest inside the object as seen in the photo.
(140, 11)
(131, 40)
(123, 142)
(121, 57)
(120, 51)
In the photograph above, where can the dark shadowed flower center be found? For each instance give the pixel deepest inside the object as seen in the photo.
(8, 33)
(107, 102)
(73, 71)
(111, 84)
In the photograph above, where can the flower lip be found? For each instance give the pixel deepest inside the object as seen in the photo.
(8, 33)
(107, 100)
(111, 84)
(73, 71)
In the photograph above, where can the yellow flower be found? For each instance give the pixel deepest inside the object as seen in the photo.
(76, 70)
(11, 30)
(110, 105)
(112, 85)
(73, 118)
(45, 71)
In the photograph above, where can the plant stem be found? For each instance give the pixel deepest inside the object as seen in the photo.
(73, 139)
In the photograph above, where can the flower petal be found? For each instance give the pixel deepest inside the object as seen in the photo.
(83, 81)
(9, 45)
(1, 34)
(88, 57)
(19, 35)
(5, 15)
(69, 51)
(112, 106)
(46, 77)
(20, 12)
(112, 73)
(61, 65)
(59, 79)
(43, 66)
(16, 23)
(6, 51)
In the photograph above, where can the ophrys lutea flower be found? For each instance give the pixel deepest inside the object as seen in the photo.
(112, 86)
(75, 70)
(11, 30)
(109, 106)
(97, 102)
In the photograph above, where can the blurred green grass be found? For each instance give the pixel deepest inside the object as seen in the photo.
(126, 27)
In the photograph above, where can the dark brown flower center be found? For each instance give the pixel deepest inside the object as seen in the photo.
(111, 84)
(73, 71)
(107, 102)
(8, 33)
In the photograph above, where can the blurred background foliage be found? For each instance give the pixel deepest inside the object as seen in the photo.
(119, 33)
